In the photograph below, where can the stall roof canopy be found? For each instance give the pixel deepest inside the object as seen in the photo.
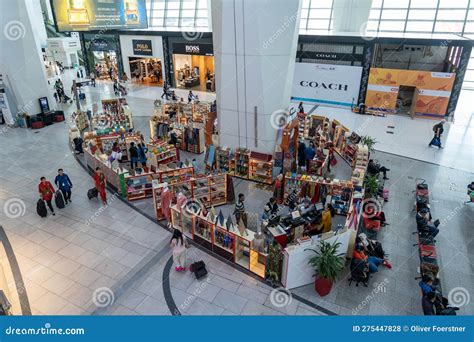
(384, 37)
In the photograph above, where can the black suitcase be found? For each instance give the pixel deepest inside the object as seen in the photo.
(92, 193)
(199, 269)
(41, 208)
(59, 199)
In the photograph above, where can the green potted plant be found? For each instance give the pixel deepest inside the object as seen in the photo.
(371, 185)
(328, 264)
(369, 142)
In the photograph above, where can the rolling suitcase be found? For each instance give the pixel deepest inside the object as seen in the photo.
(41, 208)
(92, 193)
(59, 199)
(199, 269)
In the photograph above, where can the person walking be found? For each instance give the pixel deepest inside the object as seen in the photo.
(301, 108)
(190, 97)
(63, 182)
(165, 90)
(178, 245)
(46, 191)
(92, 76)
(438, 130)
(100, 183)
(133, 155)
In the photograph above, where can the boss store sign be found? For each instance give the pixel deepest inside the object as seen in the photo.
(142, 47)
(193, 49)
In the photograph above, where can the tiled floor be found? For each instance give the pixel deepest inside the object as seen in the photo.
(115, 264)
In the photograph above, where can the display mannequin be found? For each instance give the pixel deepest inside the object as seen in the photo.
(166, 203)
(279, 189)
(258, 242)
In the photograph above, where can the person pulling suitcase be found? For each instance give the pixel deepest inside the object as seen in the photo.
(46, 191)
(64, 184)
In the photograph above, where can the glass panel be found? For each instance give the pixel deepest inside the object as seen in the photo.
(392, 26)
(374, 14)
(318, 24)
(173, 4)
(469, 27)
(453, 4)
(395, 3)
(201, 13)
(157, 22)
(172, 13)
(202, 4)
(372, 25)
(187, 22)
(321, 4)
(377, 4)
(304, 13)
(158, 4)
(188, 4)
(455, 27)
(202, 22)
(469, 76)
(187, 14)
(451, 14)
(320, 13)
(158, 13)
(172, 22)
(470, 15)
(424, 3)
(422, 14)
(303, 24)
(305, 4)
(420, 26)
(394, 14)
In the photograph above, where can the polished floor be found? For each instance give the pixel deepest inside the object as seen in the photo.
(90, 259)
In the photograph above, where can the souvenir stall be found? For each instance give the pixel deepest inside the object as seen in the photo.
(232, 241)
(159, 153)
(80, 120)
(104, 142)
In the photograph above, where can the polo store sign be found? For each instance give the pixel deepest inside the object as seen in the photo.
(142, 47)
(326, 84)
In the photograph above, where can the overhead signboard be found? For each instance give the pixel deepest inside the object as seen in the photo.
(96, 15)
(142, 47)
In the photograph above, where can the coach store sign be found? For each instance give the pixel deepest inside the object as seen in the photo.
(193, 49)
(142, 47)
(326, 84)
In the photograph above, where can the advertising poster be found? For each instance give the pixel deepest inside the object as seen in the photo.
(326, 84)
(433, 90)
(90, 15)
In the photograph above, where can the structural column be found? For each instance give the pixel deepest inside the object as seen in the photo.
(20, 56)
(255, 50)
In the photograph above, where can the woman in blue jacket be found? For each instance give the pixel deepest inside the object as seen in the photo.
(64, 184)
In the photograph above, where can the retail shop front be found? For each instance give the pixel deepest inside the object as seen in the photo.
(103, 55)
(193, 65)
(142, 58)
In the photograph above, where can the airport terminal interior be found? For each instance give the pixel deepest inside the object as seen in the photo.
(244, 157)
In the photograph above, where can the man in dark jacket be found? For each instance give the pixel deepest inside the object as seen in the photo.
(133, 155)
(438, 130)
(374, 169)
(63, 182)
(424, 223)
(427, 303)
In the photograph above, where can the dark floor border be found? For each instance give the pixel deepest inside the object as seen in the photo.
(169, 299)
(19, 283)
(167, 289)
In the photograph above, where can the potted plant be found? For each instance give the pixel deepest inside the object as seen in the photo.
(328, 265)
(371, 185)
(369, 142)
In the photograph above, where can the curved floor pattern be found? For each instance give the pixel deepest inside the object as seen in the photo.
(167, 289)
(18, 278)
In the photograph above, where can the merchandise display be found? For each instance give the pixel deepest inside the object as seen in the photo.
(160, 153)
(240, 165)
(80, 120)
(261, 168)
(224, 156)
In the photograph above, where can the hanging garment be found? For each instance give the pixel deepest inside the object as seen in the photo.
(166, 204)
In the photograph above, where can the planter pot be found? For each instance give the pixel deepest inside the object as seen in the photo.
(322, 286)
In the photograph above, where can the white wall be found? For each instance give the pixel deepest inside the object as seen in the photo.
(35, 13)
(127, 50)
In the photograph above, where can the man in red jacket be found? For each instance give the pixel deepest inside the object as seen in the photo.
(46, 191)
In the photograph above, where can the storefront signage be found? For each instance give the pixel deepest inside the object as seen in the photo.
(142, 47)
(193, 49)
(336, 85)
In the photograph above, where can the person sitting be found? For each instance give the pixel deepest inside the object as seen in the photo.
(374, 169)
(271, 208)
(470, 191)
(428, 304)
(372, 262)
(424, 223)
(426, 285)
